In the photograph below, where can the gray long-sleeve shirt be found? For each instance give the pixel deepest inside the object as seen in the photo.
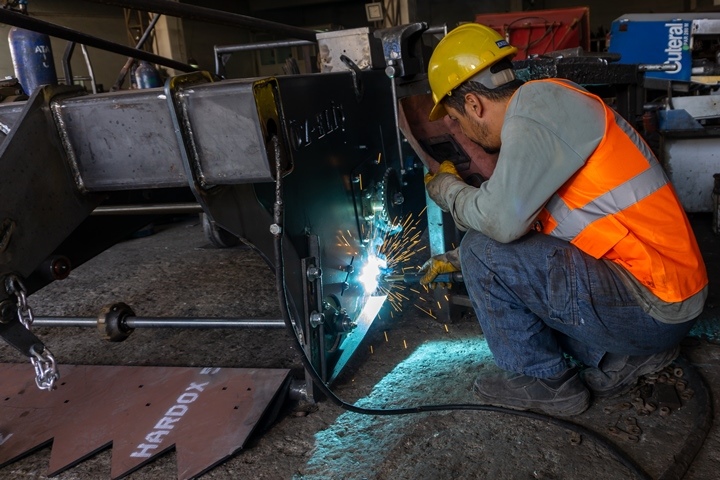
(548, 133)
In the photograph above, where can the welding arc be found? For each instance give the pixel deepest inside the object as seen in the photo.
(621, 456)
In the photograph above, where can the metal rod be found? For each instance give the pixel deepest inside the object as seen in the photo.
(226, 50)
(29, 23)
(396, 115)
(437, 29)
(91, 72)
(660, 67)
(261, 45)
(149, 209)
(191, 12)
(163, 322)
(413, 278)
(123, 71)
(67, 68)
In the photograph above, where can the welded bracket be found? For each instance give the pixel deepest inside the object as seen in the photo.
(19, 337)
(314, 324)
(234, 207)
(35, 158)
(41, 202)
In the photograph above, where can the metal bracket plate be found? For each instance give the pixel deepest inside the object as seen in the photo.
(206, 414)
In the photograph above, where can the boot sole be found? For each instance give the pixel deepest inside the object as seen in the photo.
(623, 387)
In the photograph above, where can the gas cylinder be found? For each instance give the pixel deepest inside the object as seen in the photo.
(32, 59)
(147, 76)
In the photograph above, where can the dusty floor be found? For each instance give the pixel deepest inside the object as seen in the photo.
(414, 361)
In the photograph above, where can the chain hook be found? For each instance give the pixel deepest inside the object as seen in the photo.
(46, 373)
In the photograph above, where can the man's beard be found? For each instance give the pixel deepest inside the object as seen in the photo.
(489, 149)
(484, 132)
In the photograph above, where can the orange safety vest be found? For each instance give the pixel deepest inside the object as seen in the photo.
(620, 206)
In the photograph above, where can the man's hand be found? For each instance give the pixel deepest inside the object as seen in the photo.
(445, 167)
(434, 183)
(447, 262)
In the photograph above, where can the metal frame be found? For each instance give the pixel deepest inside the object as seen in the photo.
(223, 52)
(215, 138)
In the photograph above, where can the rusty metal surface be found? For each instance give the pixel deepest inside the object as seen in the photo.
(207, 414)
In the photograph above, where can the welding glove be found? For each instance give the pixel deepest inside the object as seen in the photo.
(444, 185)
(448, 262)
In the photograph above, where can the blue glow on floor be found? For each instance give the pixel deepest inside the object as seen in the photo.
(707, 327)
(437, 372)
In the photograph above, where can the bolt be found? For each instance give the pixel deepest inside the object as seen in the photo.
(348, 268)
(398, 199)
(60, 268)
(275, 229)
(313, 273)
(356, 178)
(7, 311)
(316, 319)
(347, 325)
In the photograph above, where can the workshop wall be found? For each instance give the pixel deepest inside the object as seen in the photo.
(602, 12)
(438, 12)
(201, 37)
(94, 19)
(108, 22)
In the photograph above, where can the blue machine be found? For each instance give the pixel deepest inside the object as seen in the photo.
(32, 57)
(658, 39)
(688, 112)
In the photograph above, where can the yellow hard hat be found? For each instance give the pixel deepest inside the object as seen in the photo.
(462, 54)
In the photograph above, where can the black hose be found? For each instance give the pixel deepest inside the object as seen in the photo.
(622, 457)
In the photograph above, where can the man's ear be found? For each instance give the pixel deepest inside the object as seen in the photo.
(474, 105)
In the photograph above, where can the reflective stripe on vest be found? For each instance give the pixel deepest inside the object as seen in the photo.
(571, 222)
(620, 206)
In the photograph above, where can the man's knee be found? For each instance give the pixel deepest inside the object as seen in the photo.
(473, 247)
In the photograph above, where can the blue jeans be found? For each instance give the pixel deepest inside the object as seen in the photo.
(538, 298)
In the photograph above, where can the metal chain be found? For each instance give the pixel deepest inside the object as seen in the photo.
(24, 311)
(46, 372)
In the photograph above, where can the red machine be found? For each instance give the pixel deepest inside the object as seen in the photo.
(542, 31)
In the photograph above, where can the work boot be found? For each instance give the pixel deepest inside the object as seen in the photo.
(562, 395)
(618, 374)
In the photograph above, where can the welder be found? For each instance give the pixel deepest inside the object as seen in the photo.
(579, 260)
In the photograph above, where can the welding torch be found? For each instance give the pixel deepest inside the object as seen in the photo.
(414, 278)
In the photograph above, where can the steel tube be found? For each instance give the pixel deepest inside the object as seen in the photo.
(225, 50)
(660, 67)
(67, 68)
(164, 322)
(191, 12)
(23, 21)
(219, 50)
(437, 29)
(150, 209)
(91, 72)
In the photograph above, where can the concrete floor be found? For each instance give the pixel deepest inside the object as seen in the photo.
(404, 361)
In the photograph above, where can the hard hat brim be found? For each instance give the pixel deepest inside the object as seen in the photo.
(437, 112)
